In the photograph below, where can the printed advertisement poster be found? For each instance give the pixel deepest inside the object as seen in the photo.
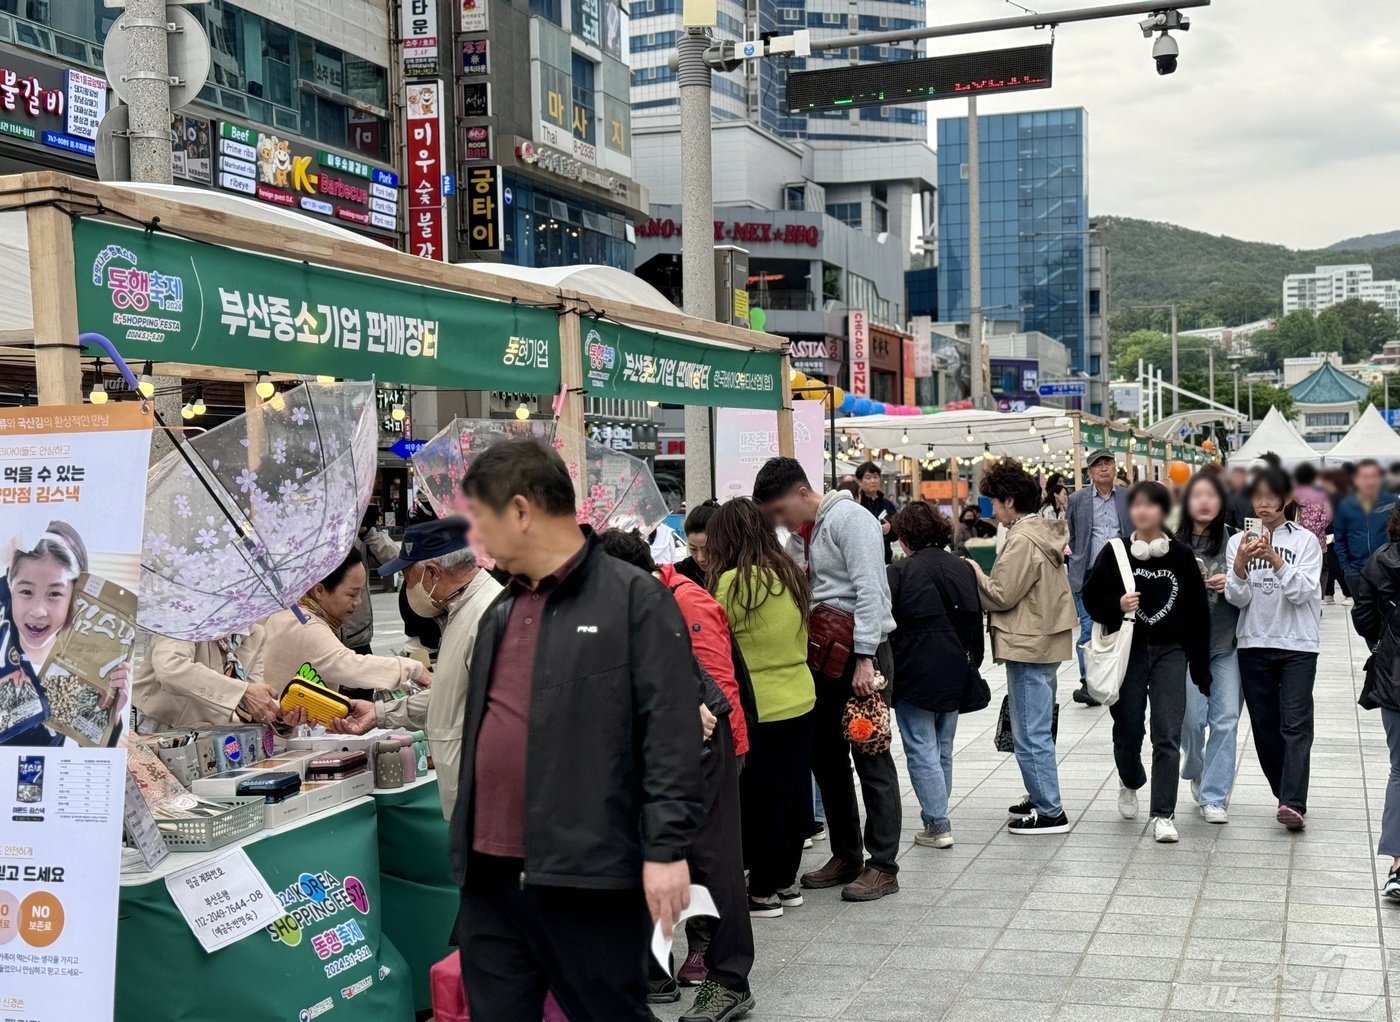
(70, 550)
(747, 437)
(59, 864)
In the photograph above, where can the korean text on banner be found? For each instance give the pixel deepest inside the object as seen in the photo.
(59, 867)
(170, 300)
(224, 899)
(624, 362)
(74, 520)
(747, 437)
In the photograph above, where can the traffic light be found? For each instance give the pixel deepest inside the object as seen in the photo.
(918, 81)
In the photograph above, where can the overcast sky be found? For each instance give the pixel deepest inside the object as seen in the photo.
(1281, 124)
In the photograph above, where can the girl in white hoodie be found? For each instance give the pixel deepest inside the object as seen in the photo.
(1275, 578)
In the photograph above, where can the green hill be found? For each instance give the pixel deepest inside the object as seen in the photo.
(1218, 281)
(1367, 242)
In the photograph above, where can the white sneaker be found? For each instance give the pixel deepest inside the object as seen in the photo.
(1164, 830)
(1127, 803)
(1215, 814)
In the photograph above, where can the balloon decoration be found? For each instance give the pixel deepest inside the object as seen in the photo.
(1207, 444)
(1179, 472)
(834, 398)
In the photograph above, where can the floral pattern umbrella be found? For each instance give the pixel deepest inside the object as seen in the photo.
(619, 490)
(243, 520)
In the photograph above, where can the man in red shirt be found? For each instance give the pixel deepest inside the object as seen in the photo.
(581, 788)
(720, 951)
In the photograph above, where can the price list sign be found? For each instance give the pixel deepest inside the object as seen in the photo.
(223, 899)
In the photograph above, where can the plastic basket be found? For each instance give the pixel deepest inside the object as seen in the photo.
(206, 833)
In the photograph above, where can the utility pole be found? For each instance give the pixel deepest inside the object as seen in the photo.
(147, 90)
(697, 238)
(1210, 352)
(1176, 368)
(976, 383)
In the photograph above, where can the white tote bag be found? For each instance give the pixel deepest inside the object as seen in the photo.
(1106, 656)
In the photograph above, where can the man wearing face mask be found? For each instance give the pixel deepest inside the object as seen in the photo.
(443, 581)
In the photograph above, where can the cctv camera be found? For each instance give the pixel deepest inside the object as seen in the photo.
(1164, 52)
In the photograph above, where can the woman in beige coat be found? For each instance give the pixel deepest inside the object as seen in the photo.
(193, 684)
(289, 644)
(1032, 623)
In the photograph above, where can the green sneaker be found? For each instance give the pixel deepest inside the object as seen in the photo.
(714, 1003)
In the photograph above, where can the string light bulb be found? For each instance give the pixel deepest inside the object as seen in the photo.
(521, 412)
(1032, 431)
(904, 437)
(199, 407)
(325, 379)
(146, 386)
(398, 414)
(1045, 447)
(970, 438)
(186, 411)
(98, 394)
(653, 404)
(264, 387)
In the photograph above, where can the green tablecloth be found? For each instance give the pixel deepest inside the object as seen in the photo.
(420, 900)
(163, 974)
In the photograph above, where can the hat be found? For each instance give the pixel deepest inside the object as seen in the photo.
(426, 541)
(1099, 455)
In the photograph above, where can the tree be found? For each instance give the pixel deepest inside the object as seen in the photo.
(1362, 327)
(1377, 395)
(1148, 345)
(1298, 335)
(1266, 396)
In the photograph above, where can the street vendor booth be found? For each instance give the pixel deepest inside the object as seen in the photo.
(224, 294)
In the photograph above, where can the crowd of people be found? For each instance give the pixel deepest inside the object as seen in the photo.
(608, 731)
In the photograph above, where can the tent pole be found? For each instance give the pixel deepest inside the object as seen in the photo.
(571, 376)
(785, 437)
(1078, 454)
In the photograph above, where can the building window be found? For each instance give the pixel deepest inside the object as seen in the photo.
(880, 217)
(583, 94)
(1312, 420)
(847, 212)
(1095, 365)
(1094, 302)
(551, 10)
(795, 197)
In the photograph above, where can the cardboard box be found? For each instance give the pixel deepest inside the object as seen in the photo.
(279, 814)
(358, 786)
(323, 795)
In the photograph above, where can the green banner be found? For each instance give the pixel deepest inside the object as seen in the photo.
(168, 300)
(638, 365)
(1158, 450)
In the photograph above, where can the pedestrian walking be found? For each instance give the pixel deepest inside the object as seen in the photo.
(1172, 635)
(851, 604)
(1096, 513)
(581, 789)
(719, 952)
(1336, 483)
(872, 498)
(1314, 508)
(1376, 616)
(1361, 520)
(767, 600)
(1032, 628)
(1208, 762)
(938, 649)
(1275, 580)
(1056, 502)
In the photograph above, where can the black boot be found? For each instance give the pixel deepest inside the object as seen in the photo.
(1081, 694)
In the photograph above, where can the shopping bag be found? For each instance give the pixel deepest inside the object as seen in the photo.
(1106, 656)
(449, 996)
(1001, 737)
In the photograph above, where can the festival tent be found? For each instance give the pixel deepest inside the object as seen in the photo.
(1275, 434)
(1010, 434)
(1369, 437)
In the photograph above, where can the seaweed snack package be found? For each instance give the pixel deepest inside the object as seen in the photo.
(99, 637)
(23, 704)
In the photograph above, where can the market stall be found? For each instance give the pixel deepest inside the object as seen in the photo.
(1370, 437)
(1275, 434)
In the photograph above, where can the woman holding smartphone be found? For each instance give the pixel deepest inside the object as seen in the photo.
(1209, 762)
(1275, 579)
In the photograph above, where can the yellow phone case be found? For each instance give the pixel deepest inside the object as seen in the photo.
(321, 704)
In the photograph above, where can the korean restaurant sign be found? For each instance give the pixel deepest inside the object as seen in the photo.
(51, 106)
(427, 164)
(638, 365)
(162, 298)
(288, 172)
(418, 35)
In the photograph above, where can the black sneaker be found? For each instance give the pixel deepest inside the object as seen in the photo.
(663, 991)
(765, 908)
(1081, 694)
(714, 1003)
(791, 897)
(1391, 890)
(1022, 809)
(1037, 824)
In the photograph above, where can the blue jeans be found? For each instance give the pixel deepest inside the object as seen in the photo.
(1031, 693)
(1211, 760)
(928, 751)
(1086, 631)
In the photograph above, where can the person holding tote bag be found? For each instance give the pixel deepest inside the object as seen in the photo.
(1171, 633)
(1032, 626)
(938, 647)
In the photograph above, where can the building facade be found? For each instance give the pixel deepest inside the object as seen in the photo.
(1037, 264)
(757, 91)
(1326, 402)
(1325, 287)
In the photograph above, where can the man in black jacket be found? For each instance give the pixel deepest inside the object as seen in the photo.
(873, 499)
(581, 785)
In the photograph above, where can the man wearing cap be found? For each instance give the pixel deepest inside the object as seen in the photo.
(442, 580)
(1097, 513)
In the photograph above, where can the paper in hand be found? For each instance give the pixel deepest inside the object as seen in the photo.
(701, 904)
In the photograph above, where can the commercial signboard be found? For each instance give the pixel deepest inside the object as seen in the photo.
(1014, 383)
(418, 34)
(476, 142)
(192, 148)
(482, 199)
(162, 298)
(588, 21)
(638, 365)
(476, 99)
(86, 96)
(472, 16)
(475, 57)
(50, 106)
(747, 437)
(858, 337)
(292, 173)
(427, 216)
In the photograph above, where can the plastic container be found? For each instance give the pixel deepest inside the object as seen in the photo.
(206, 833)
(410, 757)
(420, 749)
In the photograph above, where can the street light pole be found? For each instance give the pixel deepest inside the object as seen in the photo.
(976, 383)
(1176, 369)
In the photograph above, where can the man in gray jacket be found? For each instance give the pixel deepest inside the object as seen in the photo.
(846, 563)
(1096, 514)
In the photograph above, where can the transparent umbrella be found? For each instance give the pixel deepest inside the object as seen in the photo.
(619, 489)
(243, 520)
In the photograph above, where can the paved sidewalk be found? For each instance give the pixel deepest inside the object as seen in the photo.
(1242, 922)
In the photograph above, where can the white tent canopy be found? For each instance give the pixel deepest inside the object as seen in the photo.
(1369, 437)
(1275, 434)
(1004, 433)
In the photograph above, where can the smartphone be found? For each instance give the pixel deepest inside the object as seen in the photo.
(1201, 566)
(1254, 526)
